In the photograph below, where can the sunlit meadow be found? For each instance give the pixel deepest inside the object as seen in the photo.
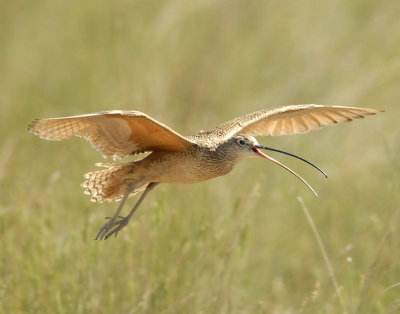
(242, 243)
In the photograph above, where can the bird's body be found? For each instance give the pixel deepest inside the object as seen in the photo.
(173, 158)
(197, 163)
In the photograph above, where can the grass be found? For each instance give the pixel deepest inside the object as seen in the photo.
(324, 254)
(236, 244)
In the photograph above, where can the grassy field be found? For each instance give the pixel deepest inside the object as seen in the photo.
(236, 244)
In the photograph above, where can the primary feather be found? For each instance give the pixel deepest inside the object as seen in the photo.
(287, 120)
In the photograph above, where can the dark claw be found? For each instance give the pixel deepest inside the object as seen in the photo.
(119, 225)
(106, 231)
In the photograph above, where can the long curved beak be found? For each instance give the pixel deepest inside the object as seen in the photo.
(257, 148)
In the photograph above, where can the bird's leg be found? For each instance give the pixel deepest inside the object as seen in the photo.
(112, 220)
(124, 220)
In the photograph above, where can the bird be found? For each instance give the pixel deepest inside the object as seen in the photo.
(169, 157)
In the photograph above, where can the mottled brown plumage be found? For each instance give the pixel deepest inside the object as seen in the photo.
(173, 158)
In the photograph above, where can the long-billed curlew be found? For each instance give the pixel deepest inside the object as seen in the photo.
(174, 158)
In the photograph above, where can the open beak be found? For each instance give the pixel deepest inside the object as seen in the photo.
(257, 148)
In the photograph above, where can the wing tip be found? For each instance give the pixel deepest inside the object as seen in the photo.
(367, 112)
(35, 128)
(372, 111)
(38, 127)
(31, 128)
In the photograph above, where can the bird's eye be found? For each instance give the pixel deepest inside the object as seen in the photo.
(242, 142)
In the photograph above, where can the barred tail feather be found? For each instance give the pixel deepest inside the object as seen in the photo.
(109, 183)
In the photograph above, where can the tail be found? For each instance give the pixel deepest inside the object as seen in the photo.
(110, 183)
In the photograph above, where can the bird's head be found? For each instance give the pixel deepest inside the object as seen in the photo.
(247, 146)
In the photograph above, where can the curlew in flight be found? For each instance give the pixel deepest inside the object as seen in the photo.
(173, 158)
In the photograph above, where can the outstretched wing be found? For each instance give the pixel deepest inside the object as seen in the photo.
(114, 133)
(288, 120)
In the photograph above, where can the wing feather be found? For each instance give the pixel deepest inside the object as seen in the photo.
(288, 120)
(302, 125)
(114, 133)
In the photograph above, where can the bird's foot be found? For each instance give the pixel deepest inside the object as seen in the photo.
(107, 229)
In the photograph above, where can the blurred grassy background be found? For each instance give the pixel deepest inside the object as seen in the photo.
(237, 244)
